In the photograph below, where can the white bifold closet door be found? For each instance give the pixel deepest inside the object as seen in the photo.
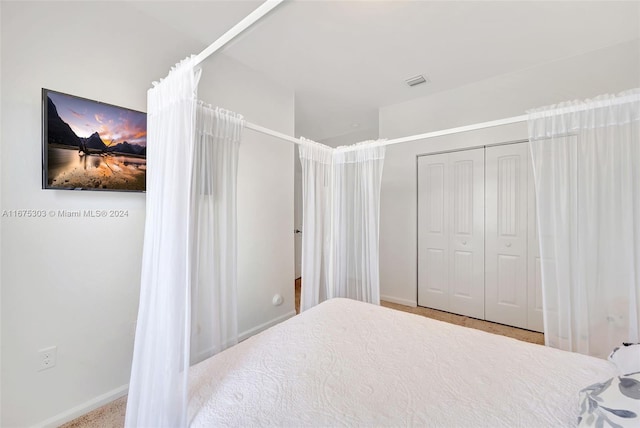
(506, 201)
(512, 259)
(478, 252)
(451, 232)
(535, 318)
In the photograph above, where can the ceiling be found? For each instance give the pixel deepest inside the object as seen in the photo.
(345, 59)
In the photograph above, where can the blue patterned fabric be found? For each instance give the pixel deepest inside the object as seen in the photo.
(614, 403)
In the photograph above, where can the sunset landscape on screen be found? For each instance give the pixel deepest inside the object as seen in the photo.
(93, 145)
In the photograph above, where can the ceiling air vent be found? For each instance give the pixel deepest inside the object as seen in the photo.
(416, 80)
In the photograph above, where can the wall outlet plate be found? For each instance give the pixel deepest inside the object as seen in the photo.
(47, 357)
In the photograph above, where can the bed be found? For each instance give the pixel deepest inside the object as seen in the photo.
(346, 363)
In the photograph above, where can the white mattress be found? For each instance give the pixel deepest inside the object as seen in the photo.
(350, 363)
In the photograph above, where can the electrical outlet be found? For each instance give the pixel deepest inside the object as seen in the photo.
(47, 358)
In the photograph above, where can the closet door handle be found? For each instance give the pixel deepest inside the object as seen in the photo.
(464, 242)
(508, 244)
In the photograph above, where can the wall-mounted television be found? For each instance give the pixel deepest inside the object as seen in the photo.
(91, 145)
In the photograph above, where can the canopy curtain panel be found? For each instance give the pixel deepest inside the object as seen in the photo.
(316, 160)
(340, 222)
(213, 237)
(586, 159)
(189, 262)
(355, 222)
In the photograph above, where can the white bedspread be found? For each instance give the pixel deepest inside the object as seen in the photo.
(350, 363)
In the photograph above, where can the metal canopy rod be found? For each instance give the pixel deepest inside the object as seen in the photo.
(476, 126)
(247, 22)
(457, 130)
(267, 131)
(633, 97)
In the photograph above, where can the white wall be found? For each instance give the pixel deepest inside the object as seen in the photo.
(74, 283)
(1, 182)
(603, 71)
(71, 283)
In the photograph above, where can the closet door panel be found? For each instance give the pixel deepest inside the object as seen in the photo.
(534, 275)
(466, 240)
(433, 232)
(506, 234)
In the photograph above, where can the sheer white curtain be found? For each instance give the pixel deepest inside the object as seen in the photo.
(213, 241)
(340, 222)
(316, 160)
(157, 389)
(586, 159)
(189, 257)
(355, 219)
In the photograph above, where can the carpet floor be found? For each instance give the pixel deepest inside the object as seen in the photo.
(112, 415)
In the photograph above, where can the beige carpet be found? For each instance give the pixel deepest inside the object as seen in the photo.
(112, 414)
(491, 327)
(108, 416)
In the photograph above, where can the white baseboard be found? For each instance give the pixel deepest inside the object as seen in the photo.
(84, 408)
(399, 301)
(114, 394)
(257, 329)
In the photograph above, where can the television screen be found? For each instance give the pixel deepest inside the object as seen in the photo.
(90, 145)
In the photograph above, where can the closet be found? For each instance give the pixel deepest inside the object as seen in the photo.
(477, 246)
(451, 232)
